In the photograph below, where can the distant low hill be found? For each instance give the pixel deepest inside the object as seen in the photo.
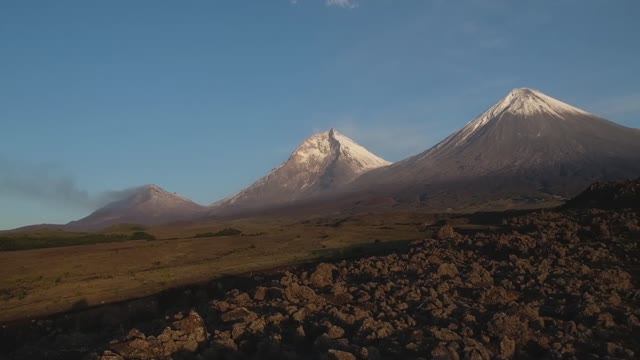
(147, 205)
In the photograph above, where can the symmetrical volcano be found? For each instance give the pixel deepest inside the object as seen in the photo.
(146, 205)
(528, 144)
(323, 163)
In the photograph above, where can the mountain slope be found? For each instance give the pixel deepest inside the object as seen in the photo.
(322, 164)
(526, 145)
(147, 205)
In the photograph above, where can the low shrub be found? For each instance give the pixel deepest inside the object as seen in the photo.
(141, 235)
(223, 232)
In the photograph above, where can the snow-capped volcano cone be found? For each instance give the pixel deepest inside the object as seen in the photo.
(530, 130)
(527, 138)
(523, 104)
(321, 164)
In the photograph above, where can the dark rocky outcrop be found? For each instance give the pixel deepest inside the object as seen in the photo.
(609, 195)
(185, 335)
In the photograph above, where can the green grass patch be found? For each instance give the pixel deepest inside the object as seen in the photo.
(141, 235)
(223, 232)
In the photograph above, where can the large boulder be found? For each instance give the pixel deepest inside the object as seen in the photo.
(446, 232)
(296, 293)
(340, 355)
(447, 270)
(241, 314)
(322, 276)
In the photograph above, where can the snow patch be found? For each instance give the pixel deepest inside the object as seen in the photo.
(321, 145)
(157, 193)
(357, 152)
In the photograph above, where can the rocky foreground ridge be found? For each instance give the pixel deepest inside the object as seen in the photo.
(550, 284)
(609, 195)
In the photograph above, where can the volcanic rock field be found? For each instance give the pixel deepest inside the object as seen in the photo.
(550, 284)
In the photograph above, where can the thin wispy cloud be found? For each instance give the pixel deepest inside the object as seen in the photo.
(348, 4)
(49, 184)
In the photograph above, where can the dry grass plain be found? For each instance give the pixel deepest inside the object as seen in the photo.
(40, 282)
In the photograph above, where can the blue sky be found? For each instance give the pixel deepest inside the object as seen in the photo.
(204, 97)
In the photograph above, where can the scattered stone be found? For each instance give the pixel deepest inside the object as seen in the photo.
(323, 276)
(507, 348)
(186, 334)
(446, 232)
(238, 314)
(335, 332)
(300, 293)
(447, 269)
(445, 334)
(260, 293)
(340, 355)
(109, 355)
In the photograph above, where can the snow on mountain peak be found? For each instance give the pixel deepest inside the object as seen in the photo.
(521, 102)
(153, 188)
(524, 101)
(352, 150)
(323, 162)
(317, 146)
(321, 145)
(157, 193)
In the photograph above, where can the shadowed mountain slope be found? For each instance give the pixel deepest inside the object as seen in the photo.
(147, 205)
